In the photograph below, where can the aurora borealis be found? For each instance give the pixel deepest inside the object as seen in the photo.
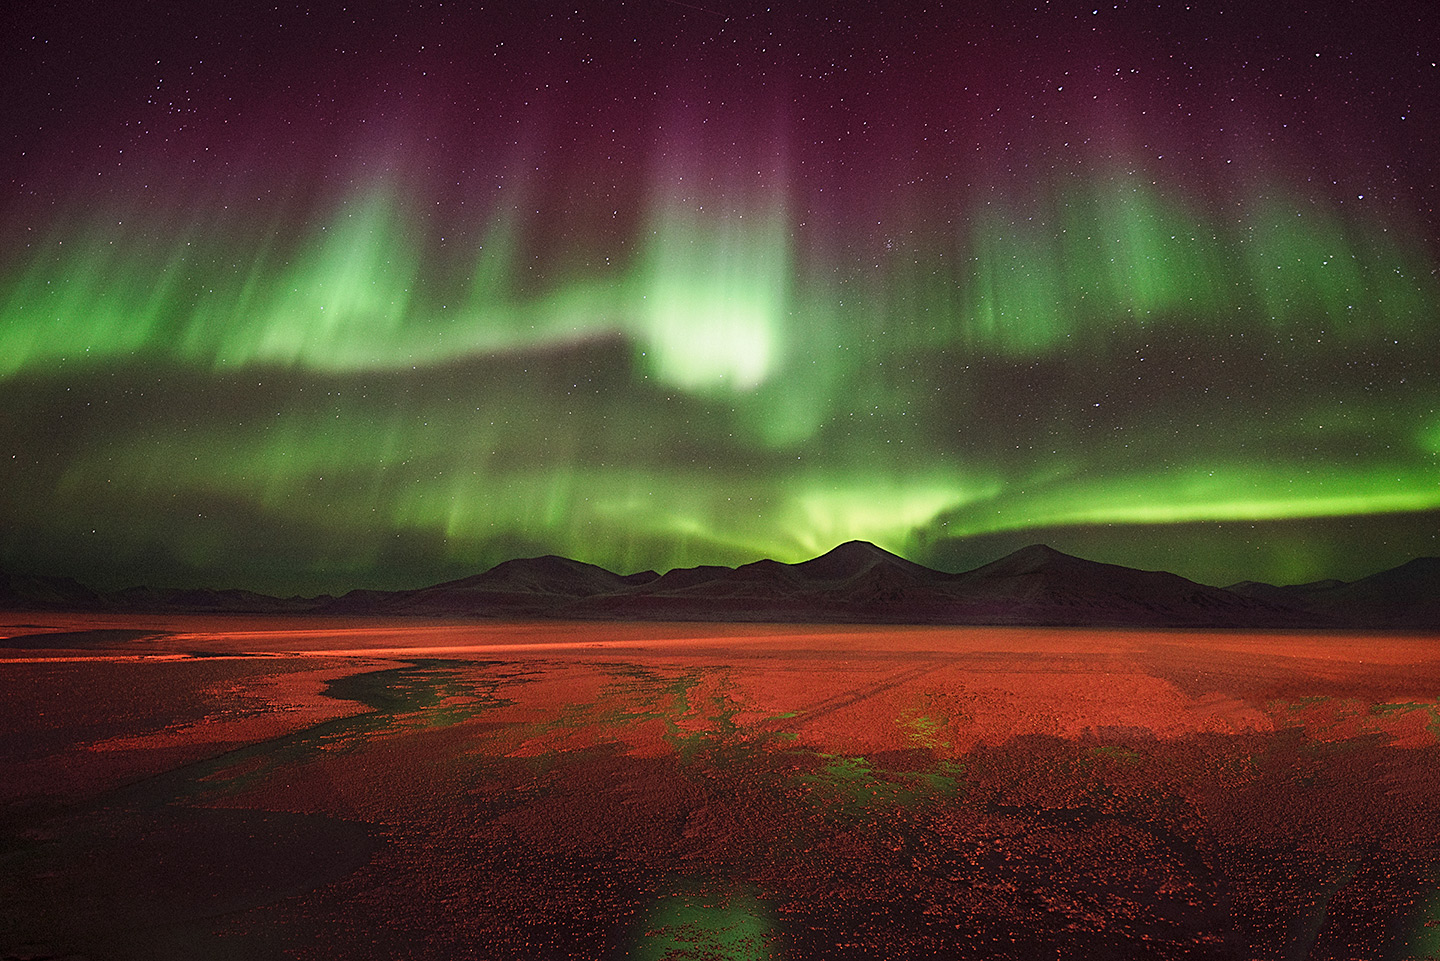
(308, 299)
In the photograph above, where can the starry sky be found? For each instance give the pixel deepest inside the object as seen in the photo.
(307, 298)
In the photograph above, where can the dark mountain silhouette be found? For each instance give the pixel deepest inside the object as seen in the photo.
(206, 601)
(1293, 594)
(855, 559)
(685, 577)
(1040, 585)
(855, 582)
(533, 585)
(1407, 596)
(41, 593)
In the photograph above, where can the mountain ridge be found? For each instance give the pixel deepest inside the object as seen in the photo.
(854, 582)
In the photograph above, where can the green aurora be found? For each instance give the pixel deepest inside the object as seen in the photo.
(367, 385)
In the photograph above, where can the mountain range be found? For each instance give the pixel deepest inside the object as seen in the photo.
(856, 582)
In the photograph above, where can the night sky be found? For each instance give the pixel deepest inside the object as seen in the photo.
(313, 298)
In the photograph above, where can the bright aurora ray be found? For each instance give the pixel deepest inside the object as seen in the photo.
(305, 301)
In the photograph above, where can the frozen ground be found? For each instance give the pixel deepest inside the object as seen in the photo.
(193, 787)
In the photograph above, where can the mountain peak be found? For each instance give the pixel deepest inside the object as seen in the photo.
(548, 573)
(859, 549)
(1028, 560)
(1043, 552)
(849, 559)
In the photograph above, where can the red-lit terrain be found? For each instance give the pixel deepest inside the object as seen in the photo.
(252, 787)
